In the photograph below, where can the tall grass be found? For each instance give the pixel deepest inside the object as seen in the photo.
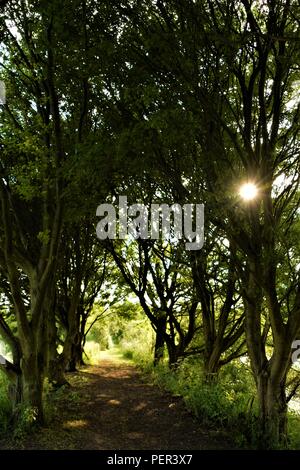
(137, 343)
(294, 430)
(227, 404)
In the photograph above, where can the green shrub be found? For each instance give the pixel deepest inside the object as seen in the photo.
(294, 430)
(25, 421)
(226, 403)
(137, 342)
(128, 354)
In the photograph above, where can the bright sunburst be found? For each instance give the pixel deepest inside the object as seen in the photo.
(248, 191)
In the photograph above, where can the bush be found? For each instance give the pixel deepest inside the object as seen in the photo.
(294, 430)
(25, 421)
(93, 352)
(137, 342)
(226, 404)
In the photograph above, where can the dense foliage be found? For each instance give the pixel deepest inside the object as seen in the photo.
(164, 102)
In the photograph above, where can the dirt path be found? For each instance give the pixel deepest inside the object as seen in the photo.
(110, 407)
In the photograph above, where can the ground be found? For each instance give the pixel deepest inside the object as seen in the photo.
(112, 406)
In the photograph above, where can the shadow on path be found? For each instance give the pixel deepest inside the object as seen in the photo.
(109, 407)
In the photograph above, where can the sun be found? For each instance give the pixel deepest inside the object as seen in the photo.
(248, 191)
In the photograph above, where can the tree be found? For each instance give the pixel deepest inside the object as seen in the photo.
(232, 67)
(156, 276)
(263, 111)
(80, 278)
(38, 158)
(221, 304)
(30, 232)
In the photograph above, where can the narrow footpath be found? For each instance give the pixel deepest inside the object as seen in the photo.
(111, 407)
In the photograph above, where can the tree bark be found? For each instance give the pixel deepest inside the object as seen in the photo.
(77, 353)
(55, 365)
(32, 385)
(212, 363)
(173, 353)
(272, 412)
(159, 341)
(270, 374)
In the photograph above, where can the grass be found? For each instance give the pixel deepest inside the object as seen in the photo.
(225, 404)
(95, 355)
(294, 430)
(228, 404)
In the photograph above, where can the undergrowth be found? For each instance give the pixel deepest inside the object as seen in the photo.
(227, 403)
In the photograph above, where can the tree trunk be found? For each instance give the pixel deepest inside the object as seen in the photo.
(78, 353)
(212, 365)
(272, 413)
(269, 374)
(159, 346)
(56, 372)
(73, 337)
(55, 364)
(72, 362)
(76, 358)
(173, 355)
(32, 385)
(68, 359)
